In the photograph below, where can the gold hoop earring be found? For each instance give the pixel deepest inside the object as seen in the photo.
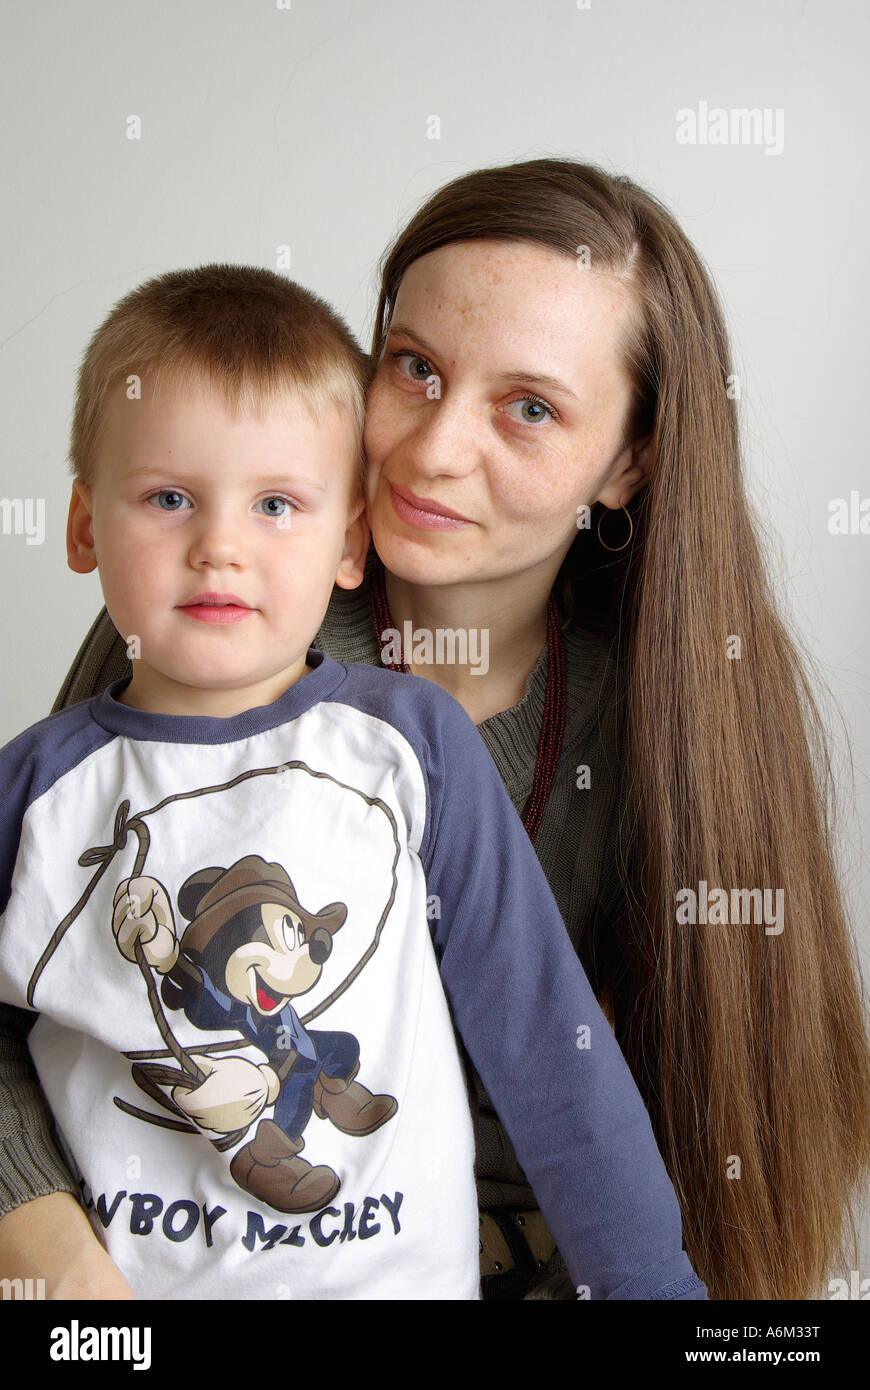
(628, 537)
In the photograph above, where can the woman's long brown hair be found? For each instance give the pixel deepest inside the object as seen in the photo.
(749, 1048)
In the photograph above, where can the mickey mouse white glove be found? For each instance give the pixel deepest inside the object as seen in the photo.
(143, 913)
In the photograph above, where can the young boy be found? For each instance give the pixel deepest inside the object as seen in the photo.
(230, 884)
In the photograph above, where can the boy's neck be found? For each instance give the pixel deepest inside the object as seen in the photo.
(155, 693)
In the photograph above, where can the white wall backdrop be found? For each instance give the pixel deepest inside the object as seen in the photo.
(308, 125)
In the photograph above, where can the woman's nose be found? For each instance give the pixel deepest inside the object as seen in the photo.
(446, 438)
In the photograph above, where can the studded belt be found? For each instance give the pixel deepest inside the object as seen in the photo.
(511, 1239)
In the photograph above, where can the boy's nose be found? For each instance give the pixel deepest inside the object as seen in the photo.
(217, 543)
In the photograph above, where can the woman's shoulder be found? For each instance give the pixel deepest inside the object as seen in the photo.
(100, 660)
(591, 668)
(346, 633)
(592, 687)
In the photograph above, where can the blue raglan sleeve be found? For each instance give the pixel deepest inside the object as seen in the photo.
(531, 1024)
(17, 777)
(30, 765)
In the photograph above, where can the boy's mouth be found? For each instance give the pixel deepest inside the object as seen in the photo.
(216, 608)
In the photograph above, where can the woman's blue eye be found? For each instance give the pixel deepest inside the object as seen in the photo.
(535, 404)
(415, 358)
(173, 500)
(419, 369)
(285, 504)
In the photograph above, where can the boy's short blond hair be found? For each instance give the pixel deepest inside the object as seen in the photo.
(248, 332)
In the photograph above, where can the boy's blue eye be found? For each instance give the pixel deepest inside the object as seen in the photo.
(173, 501)
(285, 504)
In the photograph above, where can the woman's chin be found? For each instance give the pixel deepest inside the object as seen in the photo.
(421, 556)
(418, 560)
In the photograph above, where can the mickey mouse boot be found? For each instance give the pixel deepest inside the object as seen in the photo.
(269, 1168)
(349, 1106)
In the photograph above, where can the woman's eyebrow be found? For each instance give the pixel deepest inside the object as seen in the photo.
(549, 383)
(409, 333)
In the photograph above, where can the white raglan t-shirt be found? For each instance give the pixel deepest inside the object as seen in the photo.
(369, 790)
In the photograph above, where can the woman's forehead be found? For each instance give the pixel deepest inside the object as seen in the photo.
(524, 305)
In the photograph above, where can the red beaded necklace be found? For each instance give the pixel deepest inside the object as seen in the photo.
(555, 695)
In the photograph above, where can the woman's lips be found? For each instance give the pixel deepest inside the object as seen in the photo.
(420, 512)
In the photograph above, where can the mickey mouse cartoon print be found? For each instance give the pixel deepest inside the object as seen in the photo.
(250, 948)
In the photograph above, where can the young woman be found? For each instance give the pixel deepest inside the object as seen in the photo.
(555, 473)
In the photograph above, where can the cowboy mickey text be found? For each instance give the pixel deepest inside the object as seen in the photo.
(180, 1220)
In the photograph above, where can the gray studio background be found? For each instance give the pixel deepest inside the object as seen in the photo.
(307, 126)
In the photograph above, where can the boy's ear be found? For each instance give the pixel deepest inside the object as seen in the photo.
(352, 565)
(80, 553)
(630, 472)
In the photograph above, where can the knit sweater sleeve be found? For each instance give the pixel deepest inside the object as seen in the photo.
(30, 1162)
